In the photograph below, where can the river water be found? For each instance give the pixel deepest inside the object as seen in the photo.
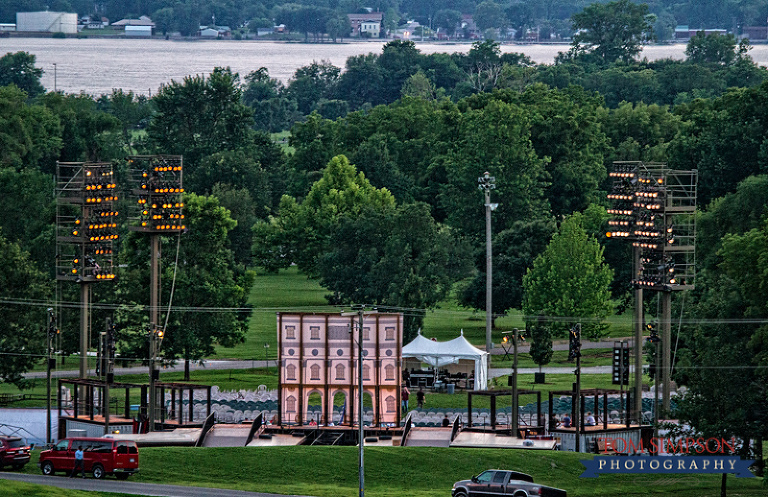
(97, 65)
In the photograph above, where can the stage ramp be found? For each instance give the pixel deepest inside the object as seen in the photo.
(428, 437)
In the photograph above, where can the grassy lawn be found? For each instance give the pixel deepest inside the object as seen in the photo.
(589, 357)
(391, 471)
(291, 291)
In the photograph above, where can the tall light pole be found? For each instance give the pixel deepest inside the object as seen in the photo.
(360, 312)
(488, 183)
(52, 332)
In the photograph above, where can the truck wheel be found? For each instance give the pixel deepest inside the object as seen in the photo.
(98, 471)
(48, 468)
(460, 493)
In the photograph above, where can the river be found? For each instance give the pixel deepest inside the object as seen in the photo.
(97, 65)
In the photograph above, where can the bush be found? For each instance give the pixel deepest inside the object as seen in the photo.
(59, 34)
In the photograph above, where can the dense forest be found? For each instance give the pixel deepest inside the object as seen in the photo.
(376, 193)
(549, 18)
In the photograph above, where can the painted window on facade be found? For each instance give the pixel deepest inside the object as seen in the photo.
(314, 372)
(339, 371)
(290, 332)
(389, 372)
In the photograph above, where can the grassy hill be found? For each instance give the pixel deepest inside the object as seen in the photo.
(412, 471)
(291, 291)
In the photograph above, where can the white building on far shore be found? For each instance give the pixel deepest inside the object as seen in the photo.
(46, 22)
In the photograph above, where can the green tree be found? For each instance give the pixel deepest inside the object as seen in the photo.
(570, 281)
(312, 83)
(612, 31)
(87, 133)
(514, 251)
(338, 27)
(489, 15)
(393, 257)
(132, 110)
(19, 69)
(713, 48)
(23, 337)
(29, 213)
(448, 20)
(200, 117)
(301, 233)
(164, 19)
(208, 287)
(541, 343)
(30, 135)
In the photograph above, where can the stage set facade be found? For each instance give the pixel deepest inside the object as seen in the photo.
(318, 359)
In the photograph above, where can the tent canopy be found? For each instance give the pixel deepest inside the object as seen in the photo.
(439, 354)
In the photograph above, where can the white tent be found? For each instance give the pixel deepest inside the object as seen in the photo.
(438, 354)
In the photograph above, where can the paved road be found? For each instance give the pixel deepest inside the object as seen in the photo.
(217, 364)
(130, 487)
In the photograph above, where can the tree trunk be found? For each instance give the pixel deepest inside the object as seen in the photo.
(186, 368)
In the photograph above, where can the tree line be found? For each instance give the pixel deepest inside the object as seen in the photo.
(548, 18)
(381, 203)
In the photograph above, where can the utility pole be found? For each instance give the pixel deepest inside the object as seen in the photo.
(51, 363)
(515, 407)
(360, 396)
(154, 316)
(574, 352)
(486, 184)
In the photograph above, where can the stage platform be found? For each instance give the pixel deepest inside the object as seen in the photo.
(495, 441)
(176, 438)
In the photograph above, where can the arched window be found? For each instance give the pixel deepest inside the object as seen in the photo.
(339, 371)
(390, 401)
(389, 372)
(366, 372)
(290, 404)
(290, 372)
(314, 372)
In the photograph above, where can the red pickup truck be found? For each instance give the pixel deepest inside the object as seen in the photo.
(14, 451)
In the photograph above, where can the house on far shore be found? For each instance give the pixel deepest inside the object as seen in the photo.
(683, 32)
(366, 25)
(755, 32)
(7, 26)
(215, 32)
(141, 21)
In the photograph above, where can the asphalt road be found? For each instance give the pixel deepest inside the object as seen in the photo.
(130, 487)
(216, 364)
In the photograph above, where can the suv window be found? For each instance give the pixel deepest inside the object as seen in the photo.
(499, 477)
(127, 448)
(99, 447)
(486, 476)
(63, 445)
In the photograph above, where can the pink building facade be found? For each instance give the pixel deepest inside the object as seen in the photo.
(318, 359)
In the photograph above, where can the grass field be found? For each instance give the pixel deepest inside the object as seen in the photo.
(397, 471)
(291, 291)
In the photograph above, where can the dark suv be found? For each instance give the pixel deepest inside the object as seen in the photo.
(14, 451)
